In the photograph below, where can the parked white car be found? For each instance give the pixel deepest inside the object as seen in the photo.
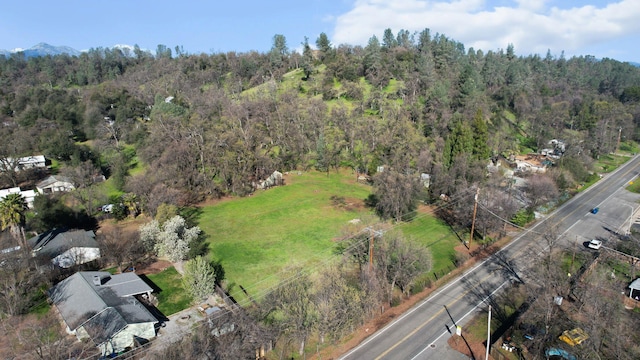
(595, 244)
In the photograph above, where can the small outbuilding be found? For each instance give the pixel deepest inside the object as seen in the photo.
(55, 183)
(634, 289)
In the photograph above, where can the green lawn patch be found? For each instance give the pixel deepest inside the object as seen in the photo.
(609, 162)
(168, 289)
(436, 236)
(634, 186)
(108, 187)
(258, 237)
(393, 86)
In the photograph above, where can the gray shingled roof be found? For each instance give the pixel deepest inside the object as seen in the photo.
(55, 242)
(103, 309)
(52, 179)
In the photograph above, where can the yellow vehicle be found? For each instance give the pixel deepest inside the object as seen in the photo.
(574, 337)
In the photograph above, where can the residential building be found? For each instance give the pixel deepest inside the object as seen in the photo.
(106, 309)
(28, 162)
(55, 183)
(66, 248)
(28, 195)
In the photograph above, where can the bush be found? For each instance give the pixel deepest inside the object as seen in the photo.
(459, 258)
(119, 211)
(420, 285)
(523, 217)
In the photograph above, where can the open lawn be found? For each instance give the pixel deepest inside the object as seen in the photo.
(258, 237)
(436, 236)
(168, 289)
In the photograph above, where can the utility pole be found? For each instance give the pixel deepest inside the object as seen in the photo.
(371, 250)
(504, 226)
(473, 221)
(486, 356)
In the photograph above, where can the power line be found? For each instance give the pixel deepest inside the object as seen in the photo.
(306, 270)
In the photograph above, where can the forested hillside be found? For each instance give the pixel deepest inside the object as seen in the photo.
(211, 124)
(417, 116)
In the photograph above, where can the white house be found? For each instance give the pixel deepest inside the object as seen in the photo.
(28, 195)
(28, 162)
(66, 248)
(55, 183)
(105, 308)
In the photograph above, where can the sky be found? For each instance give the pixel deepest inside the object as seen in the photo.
(600, 28)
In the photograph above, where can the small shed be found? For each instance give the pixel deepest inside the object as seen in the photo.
(54, 184)
(634, 291)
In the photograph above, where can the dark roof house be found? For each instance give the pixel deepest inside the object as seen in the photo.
(103, 308)
(66, 248)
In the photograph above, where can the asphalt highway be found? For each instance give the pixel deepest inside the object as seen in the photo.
(422, 332)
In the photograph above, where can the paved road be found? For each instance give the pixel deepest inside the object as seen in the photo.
(422, 332)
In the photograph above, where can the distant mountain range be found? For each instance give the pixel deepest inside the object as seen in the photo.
(44, 49)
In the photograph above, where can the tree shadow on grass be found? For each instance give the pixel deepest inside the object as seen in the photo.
(191, 215)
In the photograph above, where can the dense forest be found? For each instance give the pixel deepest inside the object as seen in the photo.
(210, 125)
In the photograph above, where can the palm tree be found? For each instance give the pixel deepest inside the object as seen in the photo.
(12, 209)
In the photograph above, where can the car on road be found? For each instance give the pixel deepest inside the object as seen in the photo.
(595, 244)
(595, 210)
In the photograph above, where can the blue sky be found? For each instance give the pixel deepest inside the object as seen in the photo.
(578, 27)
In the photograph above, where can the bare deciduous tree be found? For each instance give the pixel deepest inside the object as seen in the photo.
(290, 309)
(396, 194)
(338, 304)
(540, 189)
(16, 282)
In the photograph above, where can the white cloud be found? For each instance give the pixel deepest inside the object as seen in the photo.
(533, 26)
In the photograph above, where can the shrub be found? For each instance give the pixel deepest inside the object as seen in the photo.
(523, 217)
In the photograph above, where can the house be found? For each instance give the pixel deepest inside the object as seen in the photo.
(106, 309)
(28, 162)
(28, 195)
(66, 248)
(55, 183)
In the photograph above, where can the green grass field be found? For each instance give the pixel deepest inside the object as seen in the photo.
(258, 237)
